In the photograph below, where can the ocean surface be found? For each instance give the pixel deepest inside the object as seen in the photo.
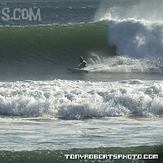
(47, 111)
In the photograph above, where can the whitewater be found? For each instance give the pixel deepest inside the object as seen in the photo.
(80, 100)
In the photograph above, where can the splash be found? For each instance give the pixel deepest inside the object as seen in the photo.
(136, 38)
(148, 10)
(125, 64)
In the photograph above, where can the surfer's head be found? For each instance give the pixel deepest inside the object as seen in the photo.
(81, 58)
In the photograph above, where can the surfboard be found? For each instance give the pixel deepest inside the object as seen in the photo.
(77, 70)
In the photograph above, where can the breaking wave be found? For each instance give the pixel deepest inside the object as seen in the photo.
(79, 100)
(39, 49)
(137, 38)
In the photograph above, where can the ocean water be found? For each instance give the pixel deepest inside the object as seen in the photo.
(47, 111)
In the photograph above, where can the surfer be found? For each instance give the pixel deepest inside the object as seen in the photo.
(82, 62)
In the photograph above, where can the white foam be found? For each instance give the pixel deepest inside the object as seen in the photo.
(136, 38)
(99, 63)
(132, 28)
(79, 99)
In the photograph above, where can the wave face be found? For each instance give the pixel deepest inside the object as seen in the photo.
(31, 50)
(42, 40)
(130, 37)
(81, 100)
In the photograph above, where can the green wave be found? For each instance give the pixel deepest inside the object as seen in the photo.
(53, 39)
(29, 51)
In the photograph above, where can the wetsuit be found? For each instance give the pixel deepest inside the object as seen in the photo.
(83, 64)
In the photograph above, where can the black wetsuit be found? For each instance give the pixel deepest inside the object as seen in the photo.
(83, 64)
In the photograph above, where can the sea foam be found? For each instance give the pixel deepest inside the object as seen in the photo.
(124, 64)
(81, 99)
(136, 38)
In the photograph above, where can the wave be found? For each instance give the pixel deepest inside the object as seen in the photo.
(80, 100)
(68, 39)
(131, 37)
(136, 38)
(29, 51)
(41, 49)
(132, 28)
(138, 44)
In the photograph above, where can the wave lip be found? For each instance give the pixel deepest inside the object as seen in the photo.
(80, 100)
(136, 38)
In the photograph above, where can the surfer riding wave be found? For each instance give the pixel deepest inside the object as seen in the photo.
(80, 67)
(83, 63)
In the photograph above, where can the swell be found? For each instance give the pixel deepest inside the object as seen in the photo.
(29, 51)
(44, 40)
(44, 49)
